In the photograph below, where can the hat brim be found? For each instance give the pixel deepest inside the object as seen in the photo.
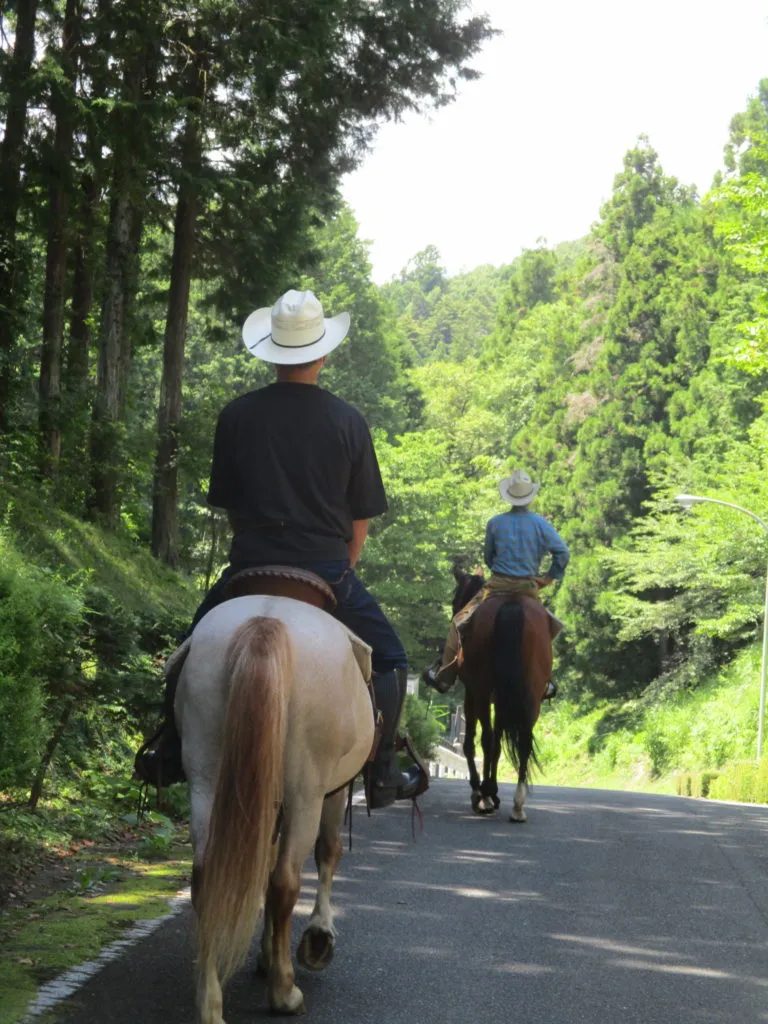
(258, 339)
(517, 501)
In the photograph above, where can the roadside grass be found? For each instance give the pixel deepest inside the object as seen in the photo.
(647, 743)
(82, 898)
(73, 875)
(115, 562)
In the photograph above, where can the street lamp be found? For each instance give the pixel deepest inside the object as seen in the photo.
(688, 500)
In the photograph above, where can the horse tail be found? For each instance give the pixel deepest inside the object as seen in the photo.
(515, 713)
(249, 794)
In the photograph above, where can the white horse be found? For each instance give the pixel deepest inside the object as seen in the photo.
(274, 712)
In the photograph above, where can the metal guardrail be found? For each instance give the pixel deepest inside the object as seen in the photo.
(449, 763)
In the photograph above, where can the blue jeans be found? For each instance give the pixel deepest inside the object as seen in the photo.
(356, 609)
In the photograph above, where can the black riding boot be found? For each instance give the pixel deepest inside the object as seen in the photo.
(386, 782)
(158, 760)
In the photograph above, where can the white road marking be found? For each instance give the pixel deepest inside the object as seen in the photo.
(66, 984)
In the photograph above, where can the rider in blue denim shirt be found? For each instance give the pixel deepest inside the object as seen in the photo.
(516, 541)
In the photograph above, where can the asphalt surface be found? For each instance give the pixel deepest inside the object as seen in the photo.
(605, 907)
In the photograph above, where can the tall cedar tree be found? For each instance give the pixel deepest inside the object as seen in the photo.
(16, 87)
(300, 115)
(59, 195)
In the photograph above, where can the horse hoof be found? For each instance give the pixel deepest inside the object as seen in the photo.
(487, 806)
(292, 1006)
(518, 819)
(496, 803)
(315, 950)
(476, 802)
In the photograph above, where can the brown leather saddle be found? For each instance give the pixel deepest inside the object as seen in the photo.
(282, 581)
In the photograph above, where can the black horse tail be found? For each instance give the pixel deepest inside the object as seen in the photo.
(513, 699)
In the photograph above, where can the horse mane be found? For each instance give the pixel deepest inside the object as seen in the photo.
(467, 585)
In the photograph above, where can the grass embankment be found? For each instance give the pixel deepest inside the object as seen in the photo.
(119, 563)
(692, 742)
(83, 895)
(86, 616)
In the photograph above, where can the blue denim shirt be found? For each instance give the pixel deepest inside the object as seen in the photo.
(516, 542)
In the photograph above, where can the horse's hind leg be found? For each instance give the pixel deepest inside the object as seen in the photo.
(299, 830)
(317, 943)
(265, 949)
(521, 791)
(488, 802)
(209, 995)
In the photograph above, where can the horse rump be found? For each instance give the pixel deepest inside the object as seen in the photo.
(514, 700)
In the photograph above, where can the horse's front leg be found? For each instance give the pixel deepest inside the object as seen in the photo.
(299, 830)
(491, 782)
(317, 943)
(469, 747)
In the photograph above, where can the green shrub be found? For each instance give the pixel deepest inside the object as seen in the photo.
(658, 750)
(423, 724)
(683, 784)
(85, 618)
(41, 623)
(746, 782)
(707, 778)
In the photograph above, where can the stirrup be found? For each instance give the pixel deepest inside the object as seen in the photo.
(158, 760)
(431, 677)
(403, 742)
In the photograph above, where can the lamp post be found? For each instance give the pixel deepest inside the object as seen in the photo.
(686, 501)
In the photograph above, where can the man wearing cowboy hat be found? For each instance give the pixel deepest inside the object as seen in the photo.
(515, 543)
(295, 468)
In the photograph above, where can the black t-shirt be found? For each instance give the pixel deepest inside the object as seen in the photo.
(293, 465)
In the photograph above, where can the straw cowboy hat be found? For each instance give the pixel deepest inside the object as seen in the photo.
(294, 330)
(518, 489)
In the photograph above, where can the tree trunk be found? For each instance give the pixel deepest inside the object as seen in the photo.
(50, 749)
(11, 152)
(78, 348)
(120, 284)
(110, 376)
(165, 482)
(56, 260)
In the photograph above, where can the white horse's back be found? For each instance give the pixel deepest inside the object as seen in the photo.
(272, 694)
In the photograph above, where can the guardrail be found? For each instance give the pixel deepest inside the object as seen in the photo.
(449, 763)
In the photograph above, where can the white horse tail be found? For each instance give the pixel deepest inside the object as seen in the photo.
(249, 793)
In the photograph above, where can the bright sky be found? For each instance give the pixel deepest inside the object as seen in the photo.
(531, 149)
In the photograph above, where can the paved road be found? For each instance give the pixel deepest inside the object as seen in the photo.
(606, 908)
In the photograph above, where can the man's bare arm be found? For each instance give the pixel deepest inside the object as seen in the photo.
(359, 533)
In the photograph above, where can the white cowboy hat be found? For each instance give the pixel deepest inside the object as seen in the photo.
(294, 330)
(518, 489)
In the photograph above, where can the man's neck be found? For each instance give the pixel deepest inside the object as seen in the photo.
(307, 373)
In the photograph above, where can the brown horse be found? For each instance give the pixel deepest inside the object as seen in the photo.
(507, 647)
